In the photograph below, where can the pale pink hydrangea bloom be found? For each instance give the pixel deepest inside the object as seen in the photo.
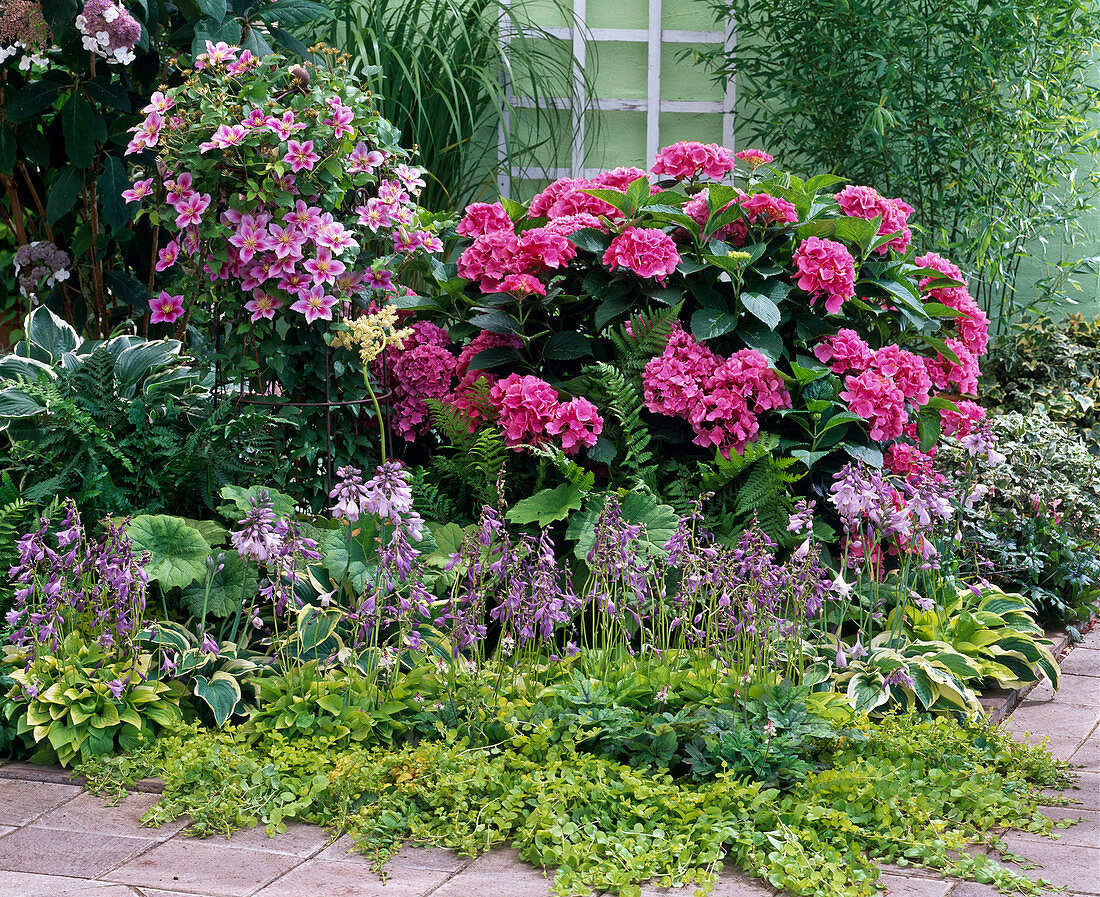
(523, 285)
(825, 267)
(772, 209)
(754, 157)
(647, 252)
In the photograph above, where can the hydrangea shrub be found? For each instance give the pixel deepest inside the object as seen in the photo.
(736, 300)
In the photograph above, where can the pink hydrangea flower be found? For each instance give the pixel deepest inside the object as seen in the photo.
(647, 252)
(867, 203)
(489, 259)
(523, 285)
(166, 309)
(483, 218)
(618, 178)
(772, 209)
(947, 376)
(906, 460)
(420, 373)
(825, 267)
(878, 400)
(673, 381)
(468, 377)
(738, 390)
(566, 197)
(972, 325)
(540, 250)
(568, 224)
(733, 233)
(688, 159)
(578, 423)
(847, 351)
(526, 406)
(906, 369)
(754, 157)
(962, 422)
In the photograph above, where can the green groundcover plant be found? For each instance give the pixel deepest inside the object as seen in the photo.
(907, 791)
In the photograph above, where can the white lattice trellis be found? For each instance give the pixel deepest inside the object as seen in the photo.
(652, 105)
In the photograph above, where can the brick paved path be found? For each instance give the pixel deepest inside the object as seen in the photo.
(57, 841)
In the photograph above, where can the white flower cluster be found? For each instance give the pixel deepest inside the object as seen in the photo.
(29, 57)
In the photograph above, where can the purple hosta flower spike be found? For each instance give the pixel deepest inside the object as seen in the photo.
(118, 686)
(258, 538)
(351, 495)
(898, 677)
(802, 520)
(209, 646)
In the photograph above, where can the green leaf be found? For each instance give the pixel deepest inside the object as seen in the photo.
(292, 12)
(229, 587)
(353, 562)
(658, 522)
(29, 101)
(567, 345)
(239, 501)
(52, 336)
(78, 128)
(115, 212)
(709, 323)
(590, 239)
(64, 193)
(548, 505)
(177, 552)
(763, 308)
(448, 542)
(221, 693)
(14, 403)
(8, 146)
(214, 9)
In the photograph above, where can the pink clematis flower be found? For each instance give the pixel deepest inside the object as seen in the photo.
(315, 305)
(324, 268)
(284, 126)
(249, 240)
(189, 211)
(364, 160)
(139, 191)
(307, 217)
(262, 305)
(341, 118)
(375, 214)
(300, 155)
(167, 255)
(224, 137)
(165, 309)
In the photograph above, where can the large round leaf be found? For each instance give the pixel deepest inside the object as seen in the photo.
(231, 586)
(177, 552)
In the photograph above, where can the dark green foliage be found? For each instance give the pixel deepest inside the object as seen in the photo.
(473, 468)
(753, 487)
(17, 516)
(613, 390)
